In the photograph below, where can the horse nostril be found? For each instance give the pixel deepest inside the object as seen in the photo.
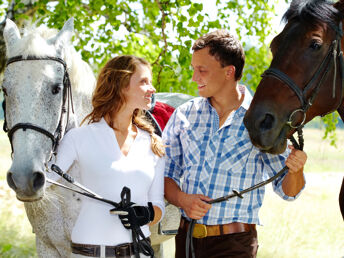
(38, 180)
(267, 122)
(10, 181)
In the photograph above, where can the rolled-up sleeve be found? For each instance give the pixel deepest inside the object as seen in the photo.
(272, 164)
(174, 151)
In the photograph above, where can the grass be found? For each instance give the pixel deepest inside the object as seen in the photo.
(16, 237)
(321, 155)
(311, 226)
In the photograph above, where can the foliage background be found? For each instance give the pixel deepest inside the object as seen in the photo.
(162, 31)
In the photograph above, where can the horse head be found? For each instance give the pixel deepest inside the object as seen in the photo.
(305, 77)
(37, 94)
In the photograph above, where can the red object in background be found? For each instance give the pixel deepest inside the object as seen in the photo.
(162, 113)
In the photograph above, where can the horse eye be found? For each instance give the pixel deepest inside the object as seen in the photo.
(315, 45)
(56, 89)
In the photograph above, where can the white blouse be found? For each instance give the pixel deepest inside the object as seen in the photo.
(105, 170)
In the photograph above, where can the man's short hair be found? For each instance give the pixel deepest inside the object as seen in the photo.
(225, 48)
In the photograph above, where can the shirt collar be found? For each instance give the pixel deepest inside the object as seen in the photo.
(247, 97)
(102, 123)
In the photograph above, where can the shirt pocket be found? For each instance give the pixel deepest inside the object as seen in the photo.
(193, 143)
(234, 154)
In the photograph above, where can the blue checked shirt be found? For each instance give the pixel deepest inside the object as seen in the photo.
(205, 159)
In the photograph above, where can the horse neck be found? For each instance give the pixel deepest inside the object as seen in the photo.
(83, 83)
(82, 106)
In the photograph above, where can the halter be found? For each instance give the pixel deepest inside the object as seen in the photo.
(333, 53)
(66, 99)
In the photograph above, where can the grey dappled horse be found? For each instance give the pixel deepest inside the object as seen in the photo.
(36, 95)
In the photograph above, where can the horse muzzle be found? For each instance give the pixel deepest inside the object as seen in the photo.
(266, 133)
(27, 183)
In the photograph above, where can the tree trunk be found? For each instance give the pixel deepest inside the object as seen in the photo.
(2, 50)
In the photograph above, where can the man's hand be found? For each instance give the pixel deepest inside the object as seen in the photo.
(294, 180)
(296, 160)
(194, 205)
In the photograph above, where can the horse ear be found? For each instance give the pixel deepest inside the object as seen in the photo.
(339, 5)
(64, 35)
(11, 33)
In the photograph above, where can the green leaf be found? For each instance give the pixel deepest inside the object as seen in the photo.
(162, 34)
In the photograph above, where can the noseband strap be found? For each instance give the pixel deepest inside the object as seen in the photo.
(66, 99)
(25, 126)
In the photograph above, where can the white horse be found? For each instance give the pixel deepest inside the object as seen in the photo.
(35, 91)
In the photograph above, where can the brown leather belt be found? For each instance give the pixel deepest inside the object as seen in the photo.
(201, 231)
(123, 250)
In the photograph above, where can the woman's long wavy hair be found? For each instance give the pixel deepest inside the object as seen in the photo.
(108, 96)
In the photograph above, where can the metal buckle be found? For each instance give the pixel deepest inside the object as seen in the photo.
(290, 122)
(122, 250)
(200, 231)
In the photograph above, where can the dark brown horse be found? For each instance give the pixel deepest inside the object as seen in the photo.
(305, 78)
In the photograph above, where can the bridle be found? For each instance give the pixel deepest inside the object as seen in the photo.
(333, 53)
(66, 101)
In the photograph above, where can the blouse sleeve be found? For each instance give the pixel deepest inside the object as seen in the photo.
(156, 192)
(66, 153)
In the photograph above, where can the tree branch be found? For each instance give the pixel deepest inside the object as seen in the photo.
(164, 49)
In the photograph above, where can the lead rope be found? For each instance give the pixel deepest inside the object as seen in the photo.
(189, 243)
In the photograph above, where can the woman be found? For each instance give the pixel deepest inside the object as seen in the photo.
(117, 148)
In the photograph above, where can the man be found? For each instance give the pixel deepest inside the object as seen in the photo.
(209, 154)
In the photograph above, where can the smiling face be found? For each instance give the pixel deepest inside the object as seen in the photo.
(139, 92)
(209, 75)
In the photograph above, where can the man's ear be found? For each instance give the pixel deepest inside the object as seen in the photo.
(230, 71)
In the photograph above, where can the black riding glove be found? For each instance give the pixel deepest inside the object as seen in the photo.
(134, 215)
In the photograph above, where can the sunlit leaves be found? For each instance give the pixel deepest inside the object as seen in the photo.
(330, 122)
(162, 31)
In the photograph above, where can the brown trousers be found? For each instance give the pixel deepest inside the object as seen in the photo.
(238, 245)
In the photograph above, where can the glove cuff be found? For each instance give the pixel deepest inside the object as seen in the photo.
(151, 211)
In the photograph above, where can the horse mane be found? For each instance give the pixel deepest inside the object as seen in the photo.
(34, 43)
(313, 12)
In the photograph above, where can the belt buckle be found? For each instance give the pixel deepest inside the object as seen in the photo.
(200, 231)
(122, 250)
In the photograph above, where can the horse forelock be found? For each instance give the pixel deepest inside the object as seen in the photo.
(313, 12)
(35, 43)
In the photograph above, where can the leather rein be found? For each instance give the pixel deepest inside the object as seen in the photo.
(333, 53)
